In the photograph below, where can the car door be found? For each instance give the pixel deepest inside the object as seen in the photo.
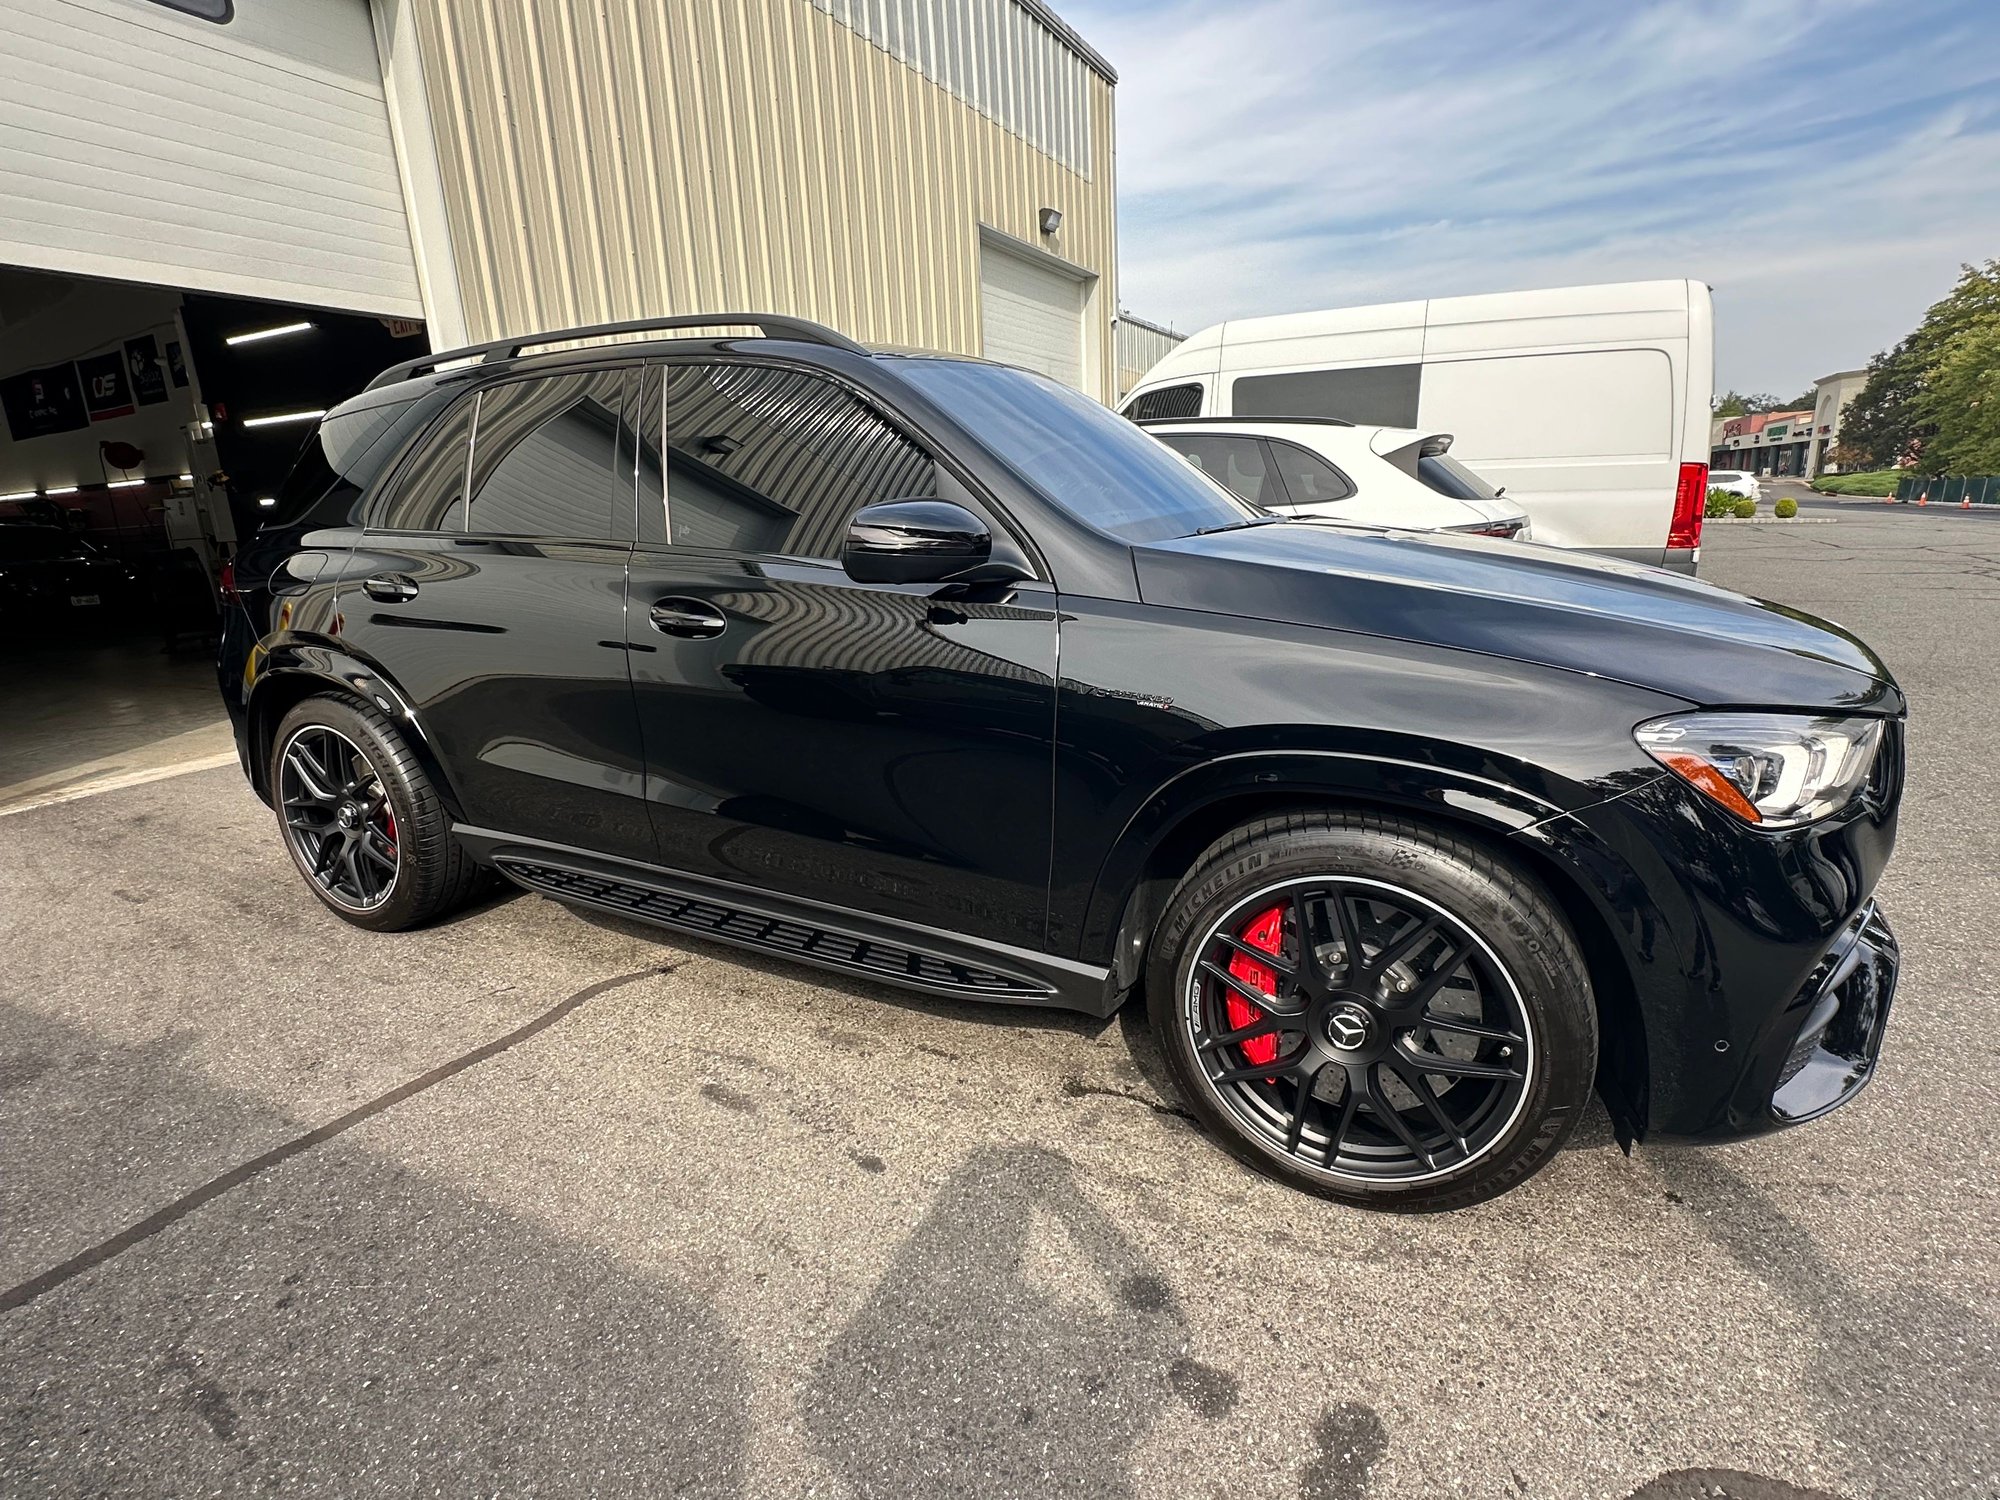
(880, 747)
(492, 590)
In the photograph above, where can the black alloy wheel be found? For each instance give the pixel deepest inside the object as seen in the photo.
(1360, 1028)
(362, 819)
(1374, 1009)
(338, 820)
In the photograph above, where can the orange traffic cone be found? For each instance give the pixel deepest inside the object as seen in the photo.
(1966, 503)
(1924, 498)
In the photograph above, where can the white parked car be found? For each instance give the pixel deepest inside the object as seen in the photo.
(1374, 476)
(1589, 403)
(1735, 481)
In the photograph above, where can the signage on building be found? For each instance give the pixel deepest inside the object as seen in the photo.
(107, 387)
(45, 401)
(148, 374)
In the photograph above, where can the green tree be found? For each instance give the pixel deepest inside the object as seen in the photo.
(1893, 418)
(1736, 404)
(1962, 402)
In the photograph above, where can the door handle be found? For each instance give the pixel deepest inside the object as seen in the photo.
(688, 618)
(390, 588)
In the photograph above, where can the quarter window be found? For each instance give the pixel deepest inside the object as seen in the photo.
(546, 458)
(778, 461)
(430, 491)
(1377, 395)
(1167, 401)
(1308, 478)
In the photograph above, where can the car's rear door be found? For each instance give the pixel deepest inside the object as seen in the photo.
(491, 590)
(880, 747)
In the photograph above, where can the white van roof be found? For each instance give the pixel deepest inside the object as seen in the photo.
(1436, 326)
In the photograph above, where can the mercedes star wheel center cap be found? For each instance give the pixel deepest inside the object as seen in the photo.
(1348, 1028)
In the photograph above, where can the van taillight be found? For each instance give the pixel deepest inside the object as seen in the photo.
(1690, 501)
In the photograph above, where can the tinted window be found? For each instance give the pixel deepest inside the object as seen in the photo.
(1381, 395)
(1448, 476)
(1308, 478)
(778, 461)
(1093, 463)
(1239, 464)
(340, 460)
(546, 458)
(1167, 401)
(647, 432)
(39, 544)
(430, 490)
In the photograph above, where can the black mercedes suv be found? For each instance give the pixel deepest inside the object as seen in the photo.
(938, 673)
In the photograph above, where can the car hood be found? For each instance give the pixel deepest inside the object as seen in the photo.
(1640, 625)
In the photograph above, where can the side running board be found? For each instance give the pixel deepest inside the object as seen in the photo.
(870, 957)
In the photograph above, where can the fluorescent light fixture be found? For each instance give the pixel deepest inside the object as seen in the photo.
(124, 484)
(187, 479)
(279, 418)
(68, 489)
(257, 334)
(267, 501)
(19, 495)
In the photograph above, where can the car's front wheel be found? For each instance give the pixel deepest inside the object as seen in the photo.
(361, 819)
(1374, 1009)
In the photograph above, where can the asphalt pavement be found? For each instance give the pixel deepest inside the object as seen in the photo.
(538, 1203)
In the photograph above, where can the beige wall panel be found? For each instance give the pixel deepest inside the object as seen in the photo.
(633, 158)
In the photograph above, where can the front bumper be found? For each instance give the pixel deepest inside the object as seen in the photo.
(1846, 1007)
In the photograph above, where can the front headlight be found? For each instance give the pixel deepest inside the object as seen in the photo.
(1774, 770)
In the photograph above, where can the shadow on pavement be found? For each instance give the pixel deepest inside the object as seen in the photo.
(343, 1325)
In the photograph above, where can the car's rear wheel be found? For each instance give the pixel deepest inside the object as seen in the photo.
(361, 819)
(1374, 1009)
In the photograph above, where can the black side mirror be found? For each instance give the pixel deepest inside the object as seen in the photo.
(915, 541)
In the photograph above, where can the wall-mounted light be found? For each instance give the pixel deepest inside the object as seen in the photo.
(1051, 220)
(68, 489)
(19, 495)
(267, 501)
(187, 479)
(279, 418)
(258, 335)
(124, 484)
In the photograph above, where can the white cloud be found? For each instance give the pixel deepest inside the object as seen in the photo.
(1824, 166)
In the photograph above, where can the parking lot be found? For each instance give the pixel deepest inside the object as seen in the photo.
(536, 1202)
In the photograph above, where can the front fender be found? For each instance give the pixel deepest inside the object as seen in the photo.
(1203, 801)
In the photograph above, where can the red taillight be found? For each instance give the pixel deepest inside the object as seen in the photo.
(1690, 502)
(226, 584)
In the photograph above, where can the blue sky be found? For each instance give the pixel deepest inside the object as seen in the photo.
(1825, 165)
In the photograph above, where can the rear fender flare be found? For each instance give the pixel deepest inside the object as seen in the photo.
(281, 675)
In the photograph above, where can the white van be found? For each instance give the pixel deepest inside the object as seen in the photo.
(1589, 404)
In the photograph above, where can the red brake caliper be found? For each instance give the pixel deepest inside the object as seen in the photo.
(1266, 931)
(390, 817)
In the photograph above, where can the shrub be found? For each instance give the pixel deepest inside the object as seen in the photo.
(1720, 503)
(1745, 509)
(1785, 509)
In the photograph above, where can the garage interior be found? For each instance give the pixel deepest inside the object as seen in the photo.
(145, 426)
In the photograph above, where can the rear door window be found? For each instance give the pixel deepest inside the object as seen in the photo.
(429, 490)
(551, 458)
(1241, 465)
(1377, 395)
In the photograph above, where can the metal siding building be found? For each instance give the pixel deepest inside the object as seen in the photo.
(882, 166)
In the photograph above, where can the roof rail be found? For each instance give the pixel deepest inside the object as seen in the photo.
(1232, 420)
(770, 325)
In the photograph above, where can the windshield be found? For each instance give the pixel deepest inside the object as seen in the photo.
(1085, 458)
(1448, 476)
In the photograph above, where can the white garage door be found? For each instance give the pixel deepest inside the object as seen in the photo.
(1032, 315)
(147, 144)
